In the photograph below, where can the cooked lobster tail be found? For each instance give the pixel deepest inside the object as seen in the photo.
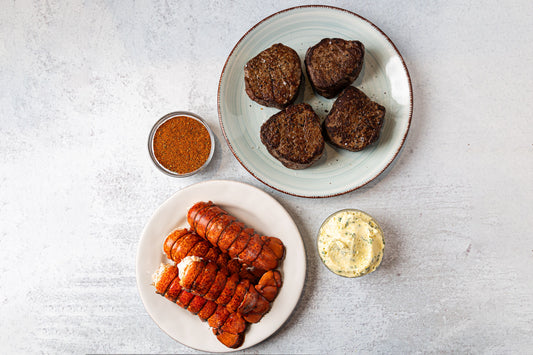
(223, 230)
(204, 278)
(269, 285)
(228, 326)
(183, 242)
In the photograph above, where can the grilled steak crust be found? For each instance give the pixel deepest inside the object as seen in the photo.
(274, 77)
(293, 136)
(333, 64)
(354, 121)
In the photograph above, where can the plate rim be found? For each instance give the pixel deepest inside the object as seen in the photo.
(196, 185)
(398, 150)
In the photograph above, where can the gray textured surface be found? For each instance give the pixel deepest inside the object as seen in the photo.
(81, 83)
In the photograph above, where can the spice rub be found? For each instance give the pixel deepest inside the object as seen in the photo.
(182, 144)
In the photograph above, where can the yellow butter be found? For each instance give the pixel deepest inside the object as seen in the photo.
(350, 243)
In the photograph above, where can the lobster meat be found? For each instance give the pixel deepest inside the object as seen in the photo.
(205, 278)
(183, 242)
(221, 229)
(228, 326)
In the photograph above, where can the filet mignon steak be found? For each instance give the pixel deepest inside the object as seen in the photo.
(354, 121)
(333, 64)
(273, 77)
(293, 136)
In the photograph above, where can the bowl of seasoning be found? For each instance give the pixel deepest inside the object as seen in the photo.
(350, 243)
(181, 144)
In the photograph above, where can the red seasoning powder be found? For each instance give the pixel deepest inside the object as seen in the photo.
(182, 144)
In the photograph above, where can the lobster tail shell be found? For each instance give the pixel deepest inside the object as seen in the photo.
(237, 295)
(225, 274)
(182, 243)
(221, 229)
(229, 327)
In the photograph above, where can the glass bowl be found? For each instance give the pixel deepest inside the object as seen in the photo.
(355, 246)
(165, 119)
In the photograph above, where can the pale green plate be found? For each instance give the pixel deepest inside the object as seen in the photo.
(384, 79)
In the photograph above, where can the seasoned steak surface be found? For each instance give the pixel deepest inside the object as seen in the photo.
(273, 77)
(293, 136)
(333, 64)
(354, 121)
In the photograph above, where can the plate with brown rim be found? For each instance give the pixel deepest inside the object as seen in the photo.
(384, 78)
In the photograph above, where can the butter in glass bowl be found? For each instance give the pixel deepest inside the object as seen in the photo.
(350, 243)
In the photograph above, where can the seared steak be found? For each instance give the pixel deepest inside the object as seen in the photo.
(273, 77)
(293, 136)
(333, 64)
(354, 121)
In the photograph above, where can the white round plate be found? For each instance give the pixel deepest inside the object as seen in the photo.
(256, 209)
(384, 78)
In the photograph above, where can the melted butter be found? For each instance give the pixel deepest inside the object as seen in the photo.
(350, 243)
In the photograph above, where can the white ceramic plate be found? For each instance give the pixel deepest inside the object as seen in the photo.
(256, 209)
(384, 78)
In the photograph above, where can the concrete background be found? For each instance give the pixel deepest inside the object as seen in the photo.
(81, 84)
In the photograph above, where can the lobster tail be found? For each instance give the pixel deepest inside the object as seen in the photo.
(230, 291)
(214, 224)
(183, 242)
(225, 271)
(228, 326)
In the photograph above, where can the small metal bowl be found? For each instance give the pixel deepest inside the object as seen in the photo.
(163, 120)
(377, 226)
